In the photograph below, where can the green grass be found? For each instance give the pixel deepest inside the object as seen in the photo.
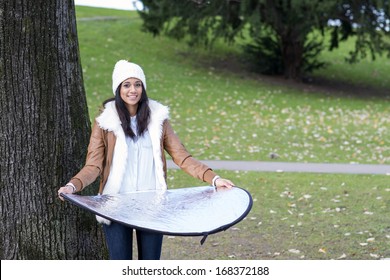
(222, 111)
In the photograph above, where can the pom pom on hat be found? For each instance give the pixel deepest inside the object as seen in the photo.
(123, 70)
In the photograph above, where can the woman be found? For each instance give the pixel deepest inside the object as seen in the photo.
(126, 150)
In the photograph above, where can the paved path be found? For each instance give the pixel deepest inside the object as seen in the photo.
(273, 166)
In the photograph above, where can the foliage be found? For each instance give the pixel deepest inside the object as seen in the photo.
(251, 116)
(277, 32)
(266, 52)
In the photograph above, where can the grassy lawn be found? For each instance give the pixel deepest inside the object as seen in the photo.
(298, 216)
(222, 111)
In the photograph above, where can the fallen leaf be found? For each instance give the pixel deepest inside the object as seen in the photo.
(294, 251)
(322, 250)
(343, 256)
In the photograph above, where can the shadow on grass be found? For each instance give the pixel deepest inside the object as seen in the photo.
(236, 65)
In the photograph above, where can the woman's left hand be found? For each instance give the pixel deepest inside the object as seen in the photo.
(223, 183)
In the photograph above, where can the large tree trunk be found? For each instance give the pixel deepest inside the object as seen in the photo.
(44, 132)
(292, 57)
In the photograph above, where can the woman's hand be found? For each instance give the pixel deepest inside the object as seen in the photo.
(65, 189)
(223, 183)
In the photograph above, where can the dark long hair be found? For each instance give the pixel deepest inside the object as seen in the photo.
(143, 113)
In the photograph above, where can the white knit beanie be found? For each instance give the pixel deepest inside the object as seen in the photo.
(124, 70)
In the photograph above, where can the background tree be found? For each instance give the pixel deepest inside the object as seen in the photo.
(283, 36)
(44, 132)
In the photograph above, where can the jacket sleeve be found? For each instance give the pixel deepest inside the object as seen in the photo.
(94, 161)
(182, 158)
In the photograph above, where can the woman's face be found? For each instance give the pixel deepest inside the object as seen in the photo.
(131, 92)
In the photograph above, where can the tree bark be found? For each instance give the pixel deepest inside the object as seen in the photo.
(44, 133)
(292, 57)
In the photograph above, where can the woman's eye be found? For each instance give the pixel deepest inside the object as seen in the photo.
(136, 85)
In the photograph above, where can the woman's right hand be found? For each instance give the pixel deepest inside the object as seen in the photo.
(65, 189)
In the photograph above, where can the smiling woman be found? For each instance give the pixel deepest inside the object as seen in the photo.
(127, 148)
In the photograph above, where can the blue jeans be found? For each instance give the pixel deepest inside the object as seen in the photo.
(119, 240)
